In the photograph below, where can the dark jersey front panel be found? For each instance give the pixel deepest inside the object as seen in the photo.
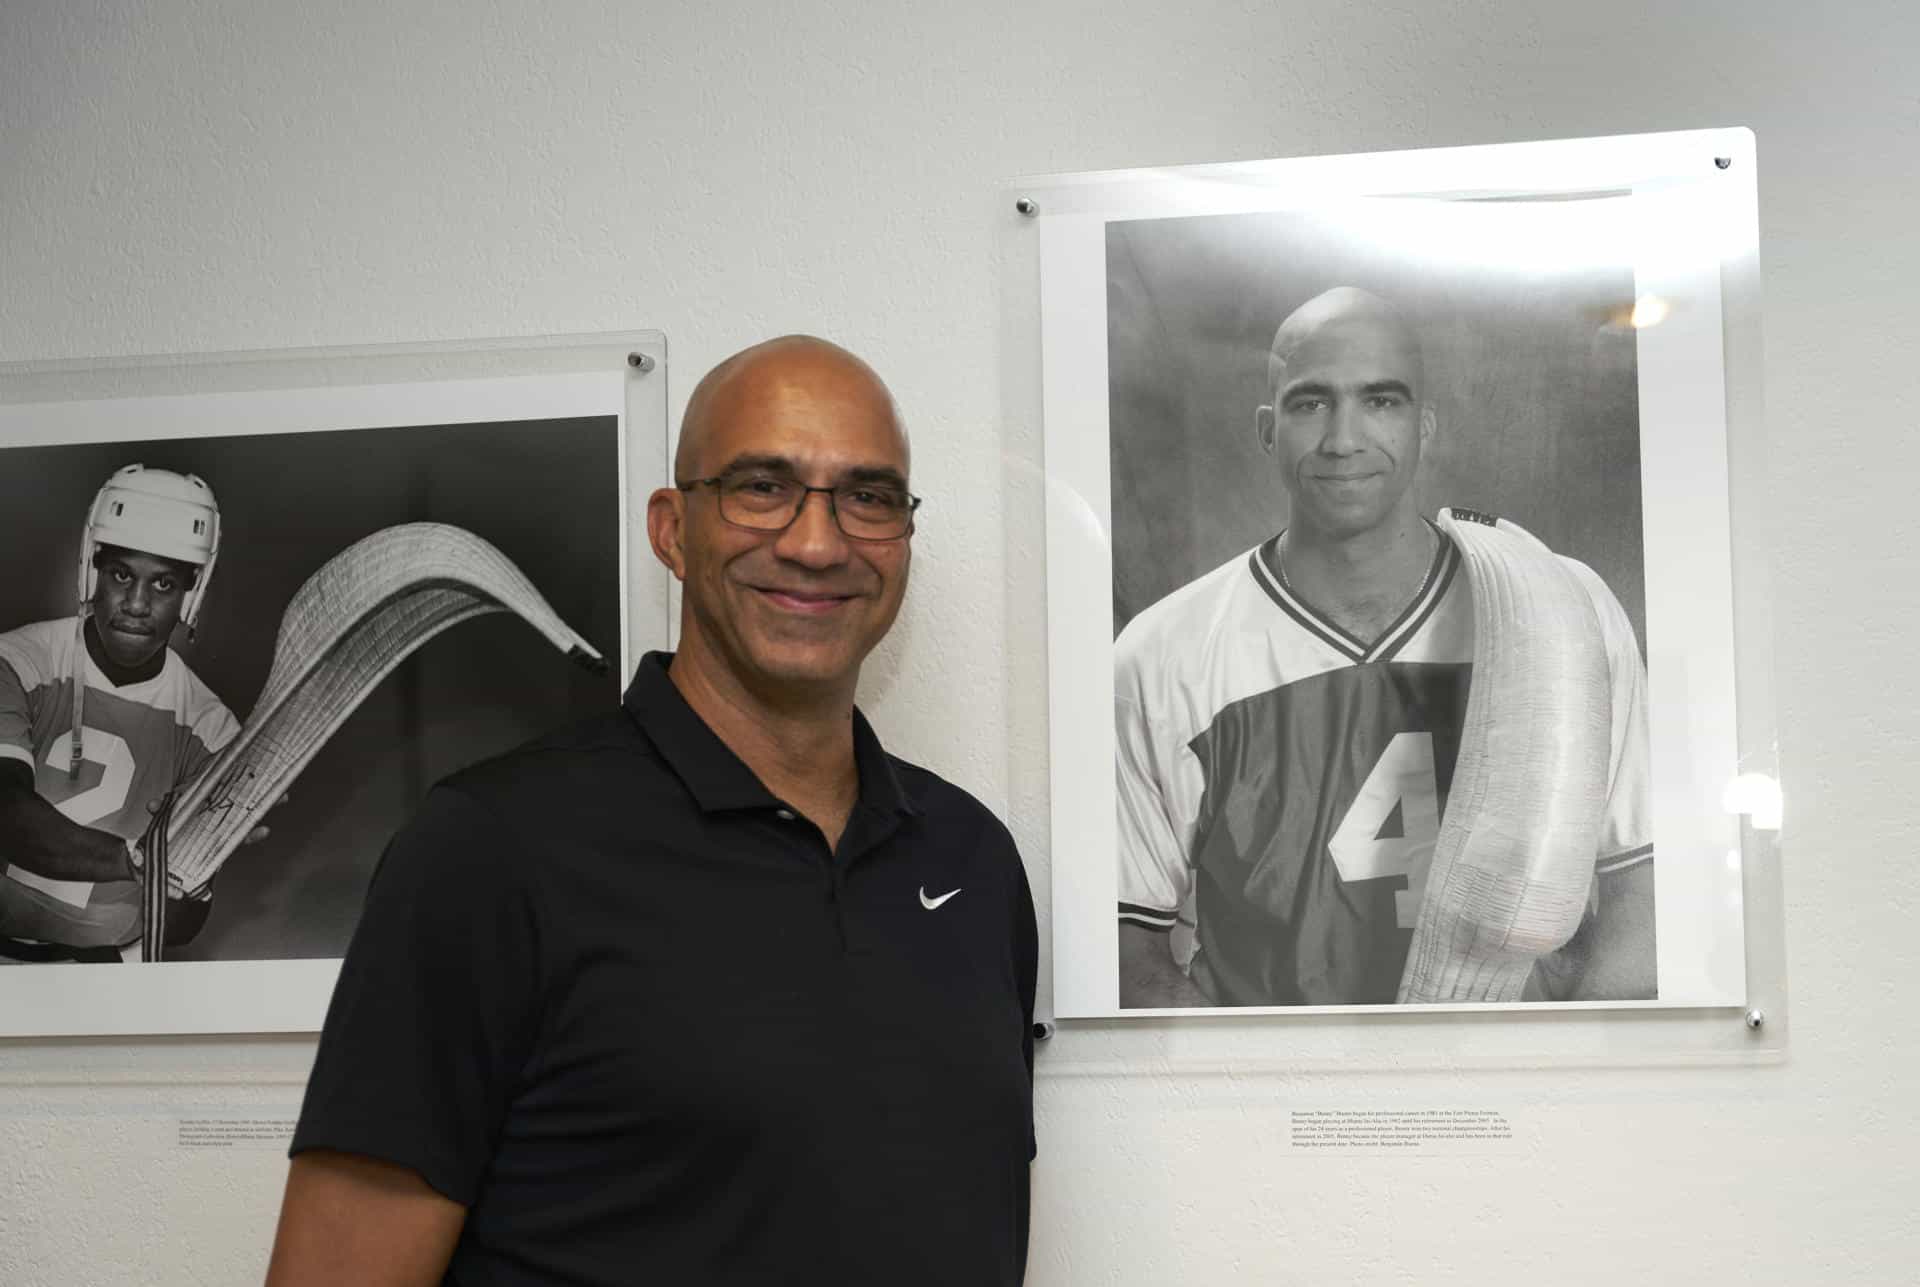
(1321, 806)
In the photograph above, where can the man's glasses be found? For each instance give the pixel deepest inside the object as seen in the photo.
(770, 502)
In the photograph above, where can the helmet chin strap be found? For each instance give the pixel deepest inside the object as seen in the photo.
(76, 735)
(76, 731)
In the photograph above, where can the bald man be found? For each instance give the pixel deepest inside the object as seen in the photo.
(710, 989)
(1287, 724)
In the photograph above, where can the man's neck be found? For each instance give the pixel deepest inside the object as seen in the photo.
(1362, 581)
(117, 675)
(798, 743)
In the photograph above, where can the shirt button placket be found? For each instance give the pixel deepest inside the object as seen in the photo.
(834, 903)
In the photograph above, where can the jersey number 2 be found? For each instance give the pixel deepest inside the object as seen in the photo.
(1390, 827)
(115, 759)
(101, 800)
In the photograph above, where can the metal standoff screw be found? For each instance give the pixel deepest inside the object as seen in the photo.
(1042, 1030)
(1027, 206)
(1754, 1019)
(640, 362)
(1723, 161)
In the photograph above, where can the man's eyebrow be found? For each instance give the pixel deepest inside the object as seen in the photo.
(786, 468)
(1306, 388)
(1322, 389)
(885, 474)
(762, 464)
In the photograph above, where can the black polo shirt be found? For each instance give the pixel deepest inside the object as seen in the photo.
(623, 1003)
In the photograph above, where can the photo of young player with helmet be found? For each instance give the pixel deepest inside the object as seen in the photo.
(101, 719)
(198, 768)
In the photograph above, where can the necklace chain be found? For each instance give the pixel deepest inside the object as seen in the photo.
(1426, 578)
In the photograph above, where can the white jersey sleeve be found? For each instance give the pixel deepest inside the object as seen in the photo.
(1626, 832)
(24, 667)
(16, 719)
(1154, 876)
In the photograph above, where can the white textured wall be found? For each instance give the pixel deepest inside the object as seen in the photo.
(181, 177)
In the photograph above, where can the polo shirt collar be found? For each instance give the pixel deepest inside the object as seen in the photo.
(719, 779)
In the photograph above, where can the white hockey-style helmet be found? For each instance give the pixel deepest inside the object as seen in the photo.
(157, 512)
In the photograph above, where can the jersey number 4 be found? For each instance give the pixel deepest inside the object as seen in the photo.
(1391, 826)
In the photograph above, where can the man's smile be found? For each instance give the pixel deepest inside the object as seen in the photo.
(803, 602)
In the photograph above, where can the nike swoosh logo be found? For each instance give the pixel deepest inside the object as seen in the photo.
(931, 903)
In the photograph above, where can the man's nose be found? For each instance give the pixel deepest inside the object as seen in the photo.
(1342, 436)
(814, 538)
(138, 602)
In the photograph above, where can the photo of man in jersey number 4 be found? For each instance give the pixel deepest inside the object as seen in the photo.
(100, 720)
(1317, 780)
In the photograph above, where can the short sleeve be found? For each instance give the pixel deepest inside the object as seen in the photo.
(436, 1006)
(1154, 873)
(1626, 832)
(16, 717)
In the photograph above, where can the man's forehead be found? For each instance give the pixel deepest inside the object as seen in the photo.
(1353, 343)
(802, 400)
(834, 425)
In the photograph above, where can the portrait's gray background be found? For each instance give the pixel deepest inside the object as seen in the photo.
(545, 492)
(1531, 375)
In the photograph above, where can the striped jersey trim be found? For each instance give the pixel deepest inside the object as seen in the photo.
(11, 752)
(1310, 621)
(1440, 573)
(1622, 861)
(1446, 562)
(1148, 917)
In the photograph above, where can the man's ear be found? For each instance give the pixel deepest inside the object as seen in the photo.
(666, 529)
(1265, 428)
(1427, 424)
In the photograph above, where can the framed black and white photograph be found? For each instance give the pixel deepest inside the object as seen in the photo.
(245, 632)
(1390, 581)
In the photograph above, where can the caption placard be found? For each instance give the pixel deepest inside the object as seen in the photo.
(233, 1132)
(1401, 1130)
